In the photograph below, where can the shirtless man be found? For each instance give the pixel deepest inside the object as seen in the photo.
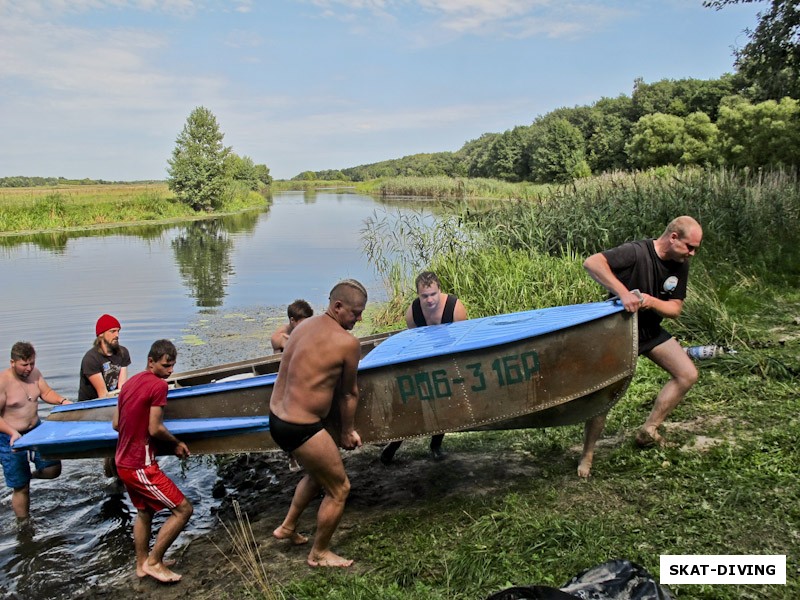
(139, 419)
(431, 307)
(319, 366)
(658, 269)
(21, 387)
(297, 311)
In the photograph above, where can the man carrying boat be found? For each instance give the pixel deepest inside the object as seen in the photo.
(319, 366)
(431, 307)
(296, 311)
(650, 277)
(104, 369)
(139, 419)
(21, 387)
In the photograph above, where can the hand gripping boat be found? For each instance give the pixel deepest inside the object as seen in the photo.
(537, 368)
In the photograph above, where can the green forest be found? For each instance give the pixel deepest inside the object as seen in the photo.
(749, 119)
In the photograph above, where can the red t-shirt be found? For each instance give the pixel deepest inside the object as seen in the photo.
(134, 447)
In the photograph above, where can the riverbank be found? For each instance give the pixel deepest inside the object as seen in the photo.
(506, 508)
(78, 207)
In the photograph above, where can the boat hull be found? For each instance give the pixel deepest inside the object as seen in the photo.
(518, 374)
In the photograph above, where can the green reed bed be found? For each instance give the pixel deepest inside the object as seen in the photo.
(457, 188)
(42, 209)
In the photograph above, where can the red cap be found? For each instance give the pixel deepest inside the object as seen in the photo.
(105, 323)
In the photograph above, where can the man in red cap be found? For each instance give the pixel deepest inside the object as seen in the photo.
(104, 368)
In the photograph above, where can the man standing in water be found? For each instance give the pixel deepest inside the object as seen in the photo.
(297, 311)
(21, 387)
(658, 271)
(319, 366)
(139, 419)
(431, 307)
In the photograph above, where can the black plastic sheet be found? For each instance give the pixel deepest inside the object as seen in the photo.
(613, 580)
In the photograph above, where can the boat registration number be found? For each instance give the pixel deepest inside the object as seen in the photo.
(438, 383)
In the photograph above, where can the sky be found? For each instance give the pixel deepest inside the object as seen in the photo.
(102, 88)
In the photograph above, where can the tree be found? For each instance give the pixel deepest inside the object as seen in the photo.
(661, 139)
(770, 63)
(760, 135)
(557, 151)
(197, 173)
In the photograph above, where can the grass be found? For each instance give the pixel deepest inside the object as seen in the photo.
(731, 485)
(46, 209)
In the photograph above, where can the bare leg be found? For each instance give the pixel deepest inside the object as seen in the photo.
(21, 502)
(154, 565)
(306, 491)
(141, 538)
(50, 472)
(321, 459)
(683, 375)
(591, 433)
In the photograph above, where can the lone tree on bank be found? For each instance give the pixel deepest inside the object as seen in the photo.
(196, 170)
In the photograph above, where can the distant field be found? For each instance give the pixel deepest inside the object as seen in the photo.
(82, 194)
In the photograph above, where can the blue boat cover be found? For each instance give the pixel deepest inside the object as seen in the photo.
(475, 334)
(421, 343)
(82, 435)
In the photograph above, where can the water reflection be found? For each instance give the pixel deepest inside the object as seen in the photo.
(203, 255)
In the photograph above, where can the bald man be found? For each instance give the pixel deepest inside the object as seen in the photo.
(650, 277)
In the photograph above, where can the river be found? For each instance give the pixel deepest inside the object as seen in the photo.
(160, 281)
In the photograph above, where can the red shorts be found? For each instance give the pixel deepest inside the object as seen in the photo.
(150, 488)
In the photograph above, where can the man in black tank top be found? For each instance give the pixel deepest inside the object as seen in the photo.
(431, 307)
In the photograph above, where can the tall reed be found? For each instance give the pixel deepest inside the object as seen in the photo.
(247, 561)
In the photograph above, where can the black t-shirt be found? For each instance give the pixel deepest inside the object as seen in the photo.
(110, 366)
(637, 266)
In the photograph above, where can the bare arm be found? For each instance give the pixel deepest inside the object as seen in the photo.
(410, 319)
(278, 339)
(349, 398)
(5, 427)
(598, 268)
(123, 377)
(99, 385)
(460, 312)
(159, 431)
(49, 395)
(115, 418)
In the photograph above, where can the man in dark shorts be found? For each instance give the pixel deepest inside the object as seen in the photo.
(319, 367)
(139, 419)
(657, 270)
(21, 387)
(431, 307)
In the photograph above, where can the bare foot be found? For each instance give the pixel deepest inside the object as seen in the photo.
(160, 572)
(284, 533)
(327, 559)
(648, 438)
(585, 467)
(167, 562)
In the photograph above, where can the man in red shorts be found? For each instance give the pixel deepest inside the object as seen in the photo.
(139, 419)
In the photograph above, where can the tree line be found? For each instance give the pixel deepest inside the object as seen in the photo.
(670, 122)
(749, 119)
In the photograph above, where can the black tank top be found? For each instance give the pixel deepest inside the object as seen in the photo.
(447, 315)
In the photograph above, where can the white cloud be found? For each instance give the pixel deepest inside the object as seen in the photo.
(505, 18)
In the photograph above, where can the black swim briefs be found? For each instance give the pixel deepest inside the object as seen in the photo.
(290, 436)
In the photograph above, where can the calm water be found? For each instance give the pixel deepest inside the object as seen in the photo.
(158, 281)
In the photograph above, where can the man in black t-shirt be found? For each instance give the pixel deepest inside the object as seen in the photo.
(104, 368)
(649, 277)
